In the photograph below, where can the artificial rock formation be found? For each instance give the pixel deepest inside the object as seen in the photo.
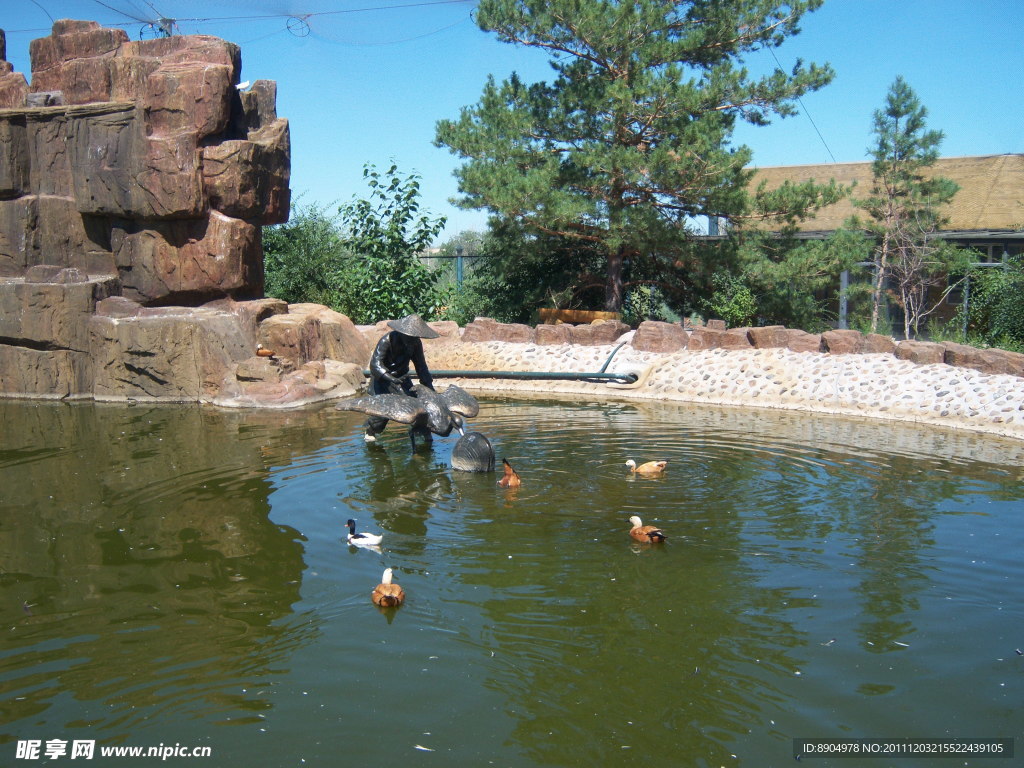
(140, 159)
(135, 178)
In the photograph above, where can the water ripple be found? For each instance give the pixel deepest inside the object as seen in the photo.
(172, 569)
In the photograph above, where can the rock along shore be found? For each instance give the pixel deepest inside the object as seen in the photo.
(873, 385)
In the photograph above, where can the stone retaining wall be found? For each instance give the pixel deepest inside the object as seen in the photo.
(669, 338)
(840, 372)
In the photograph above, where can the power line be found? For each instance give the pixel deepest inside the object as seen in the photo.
(35, 3)
(804, 108)
(326, 13)
(300, 18)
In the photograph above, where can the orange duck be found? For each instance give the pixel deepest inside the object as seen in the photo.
(647, 468)
(386, 594)
(648, 534)
(511, 478)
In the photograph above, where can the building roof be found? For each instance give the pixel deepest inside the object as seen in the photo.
(991, 195)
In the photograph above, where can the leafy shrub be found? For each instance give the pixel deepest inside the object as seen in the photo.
(731, 300)
(302, 256)
(996, 306)
(383, 276)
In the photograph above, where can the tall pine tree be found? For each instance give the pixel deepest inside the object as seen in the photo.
(631, 139)
(904, 208)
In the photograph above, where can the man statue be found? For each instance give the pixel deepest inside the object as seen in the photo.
(389, 365)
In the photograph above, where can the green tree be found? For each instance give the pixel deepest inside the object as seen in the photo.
(795, 281)
(903, 208)
(996, 306)
(384, 278)
(516, 272)
(303, 256)
(731, 300)
(792, 280)
(631, 139)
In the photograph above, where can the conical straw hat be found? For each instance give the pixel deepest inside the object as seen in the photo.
(413, 325)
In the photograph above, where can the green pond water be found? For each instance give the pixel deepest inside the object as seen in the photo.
(179, 576)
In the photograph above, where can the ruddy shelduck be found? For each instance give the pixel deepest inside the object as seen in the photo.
(511, 478)
(648, 534)
(387, 594)
(647, 468)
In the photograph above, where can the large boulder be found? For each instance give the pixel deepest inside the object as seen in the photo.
(142, 155)
(13, 87)
(171, 353)
(50, 156)
(767, 336)
(480, 329)
(876, 343)
(1012, 361)
(45, 374)
(248, 177)
(702, 338)
(547, 334)
(190, 261)
(340, 339)
(295, 336)
(736, 338)
(921, 352)
(488, 329)
(656, 336)
(19, 235)
(598, 333)
(448, 332)
(135, 178)
(842, 342)
(259, 382)
(992, 361)
(189, 97)
(168, 179)
(69, 238)
(75, 60)
(51, 307)
(802, 341)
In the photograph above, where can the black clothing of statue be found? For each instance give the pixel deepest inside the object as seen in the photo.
(389, 371)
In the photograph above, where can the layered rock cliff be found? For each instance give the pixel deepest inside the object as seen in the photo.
(135, 178)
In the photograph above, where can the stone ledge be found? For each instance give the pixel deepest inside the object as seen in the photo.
(666, 338)
(875, 385)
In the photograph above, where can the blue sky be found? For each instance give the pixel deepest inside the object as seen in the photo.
(372, 78)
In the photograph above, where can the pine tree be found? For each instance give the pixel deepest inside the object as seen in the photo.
(903, 208)
(631, 139)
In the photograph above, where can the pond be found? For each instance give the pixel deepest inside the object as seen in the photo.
(179, 576)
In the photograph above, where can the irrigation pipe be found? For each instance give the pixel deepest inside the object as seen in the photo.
(601, 375)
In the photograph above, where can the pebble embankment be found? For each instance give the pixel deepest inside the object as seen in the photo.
(877, 386)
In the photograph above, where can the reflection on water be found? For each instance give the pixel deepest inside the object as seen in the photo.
(177, 574)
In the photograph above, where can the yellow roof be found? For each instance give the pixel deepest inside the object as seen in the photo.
(991, 192)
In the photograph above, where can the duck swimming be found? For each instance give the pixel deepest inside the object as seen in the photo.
(647, 468)
(511, 478)
(645, 533)
(362, 539)
(386, 594)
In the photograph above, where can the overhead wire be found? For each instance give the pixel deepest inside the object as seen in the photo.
(264, 17)
(40, 7)
(804, 108)
(302, 16)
